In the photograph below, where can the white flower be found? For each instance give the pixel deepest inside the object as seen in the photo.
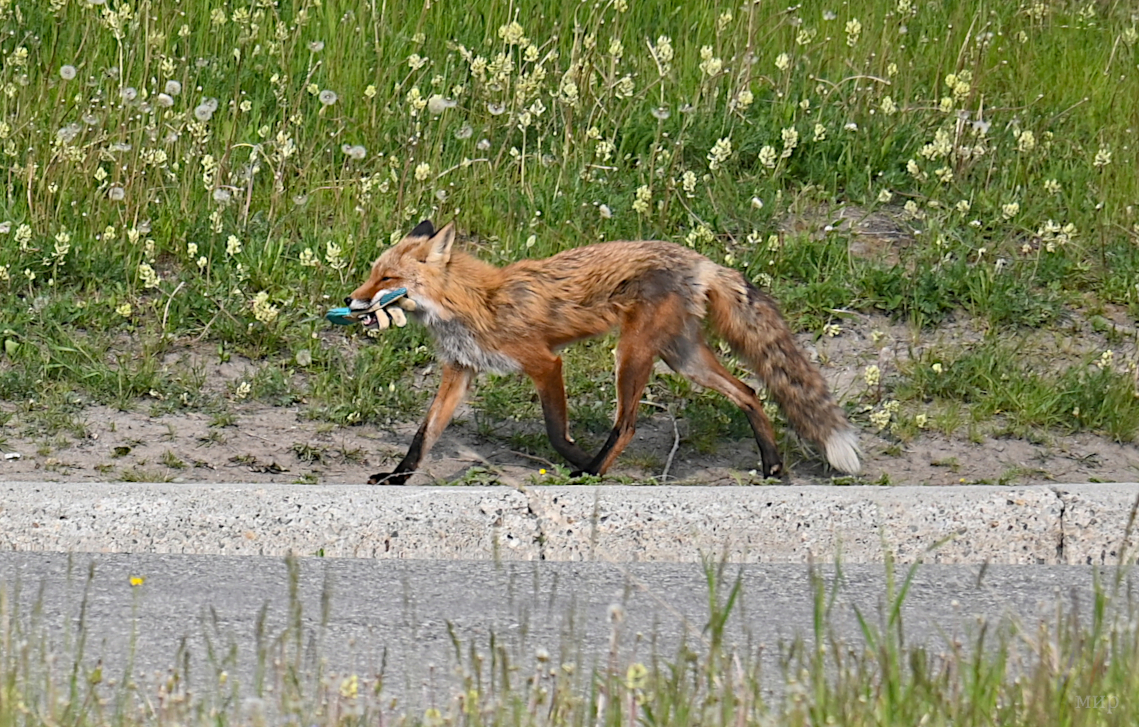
(165, 100)
(606, 213)
(1010, 210)
(783, 61)
(720, 153)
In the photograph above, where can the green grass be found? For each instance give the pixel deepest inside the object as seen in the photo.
(1077, 668)
(136, 223)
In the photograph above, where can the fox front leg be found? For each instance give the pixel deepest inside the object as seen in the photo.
(453, 386)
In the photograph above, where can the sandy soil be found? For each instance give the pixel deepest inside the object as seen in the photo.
(279, 444)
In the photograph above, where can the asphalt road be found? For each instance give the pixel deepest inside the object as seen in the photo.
(398, 616)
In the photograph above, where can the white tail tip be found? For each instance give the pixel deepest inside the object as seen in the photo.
(842, 452)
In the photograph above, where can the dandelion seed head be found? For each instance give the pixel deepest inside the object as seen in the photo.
(438, 104)
(495, 109)
(116, 193)
(483, 144)
(327, 97)
(316, 46)
(68, 72)
(464, 132)
(129, 93)
(173, 88)
(165, 100)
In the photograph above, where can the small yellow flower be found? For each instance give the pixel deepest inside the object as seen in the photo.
(137, 581)
(872, 375)
(542, 471)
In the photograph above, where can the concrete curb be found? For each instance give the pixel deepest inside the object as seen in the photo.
(1065, 524)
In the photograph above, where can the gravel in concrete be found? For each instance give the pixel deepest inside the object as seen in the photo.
(1069, 524)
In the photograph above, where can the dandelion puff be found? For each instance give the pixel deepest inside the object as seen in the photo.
(173, 88)
(661, 113)
(68, 133)
(606, 213)
(165, 100)
(483, 144)
(211, 104)
(316, 46)
(68, 72)
(438, 104)
(129, 93)
(829, 15)
(464, 132)
(357, 152)
(203, 113)
(687, 108)
(222, 195)
(495, 109)
(328, 97)
(116, 193)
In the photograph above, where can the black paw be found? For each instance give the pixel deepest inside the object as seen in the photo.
(389, 478)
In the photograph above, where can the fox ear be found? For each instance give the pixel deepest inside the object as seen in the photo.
(439, 246)
(423, 229)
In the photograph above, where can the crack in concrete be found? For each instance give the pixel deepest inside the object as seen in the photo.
(1060, 555)
(540, 538)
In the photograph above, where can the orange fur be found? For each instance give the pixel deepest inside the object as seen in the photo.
(658, 294)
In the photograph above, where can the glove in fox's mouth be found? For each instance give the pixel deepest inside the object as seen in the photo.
(369, 320)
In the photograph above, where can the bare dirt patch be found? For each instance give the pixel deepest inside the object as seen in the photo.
(261, 443)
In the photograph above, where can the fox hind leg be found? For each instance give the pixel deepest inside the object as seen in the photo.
(644, 333)
(690, 356)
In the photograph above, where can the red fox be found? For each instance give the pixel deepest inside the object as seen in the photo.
(659, 294)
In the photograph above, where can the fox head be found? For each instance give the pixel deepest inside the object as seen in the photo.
(417, 262)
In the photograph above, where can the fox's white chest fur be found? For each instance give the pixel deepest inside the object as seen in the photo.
(456, 343)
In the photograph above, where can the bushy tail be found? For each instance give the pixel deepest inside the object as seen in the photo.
(750, 321)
